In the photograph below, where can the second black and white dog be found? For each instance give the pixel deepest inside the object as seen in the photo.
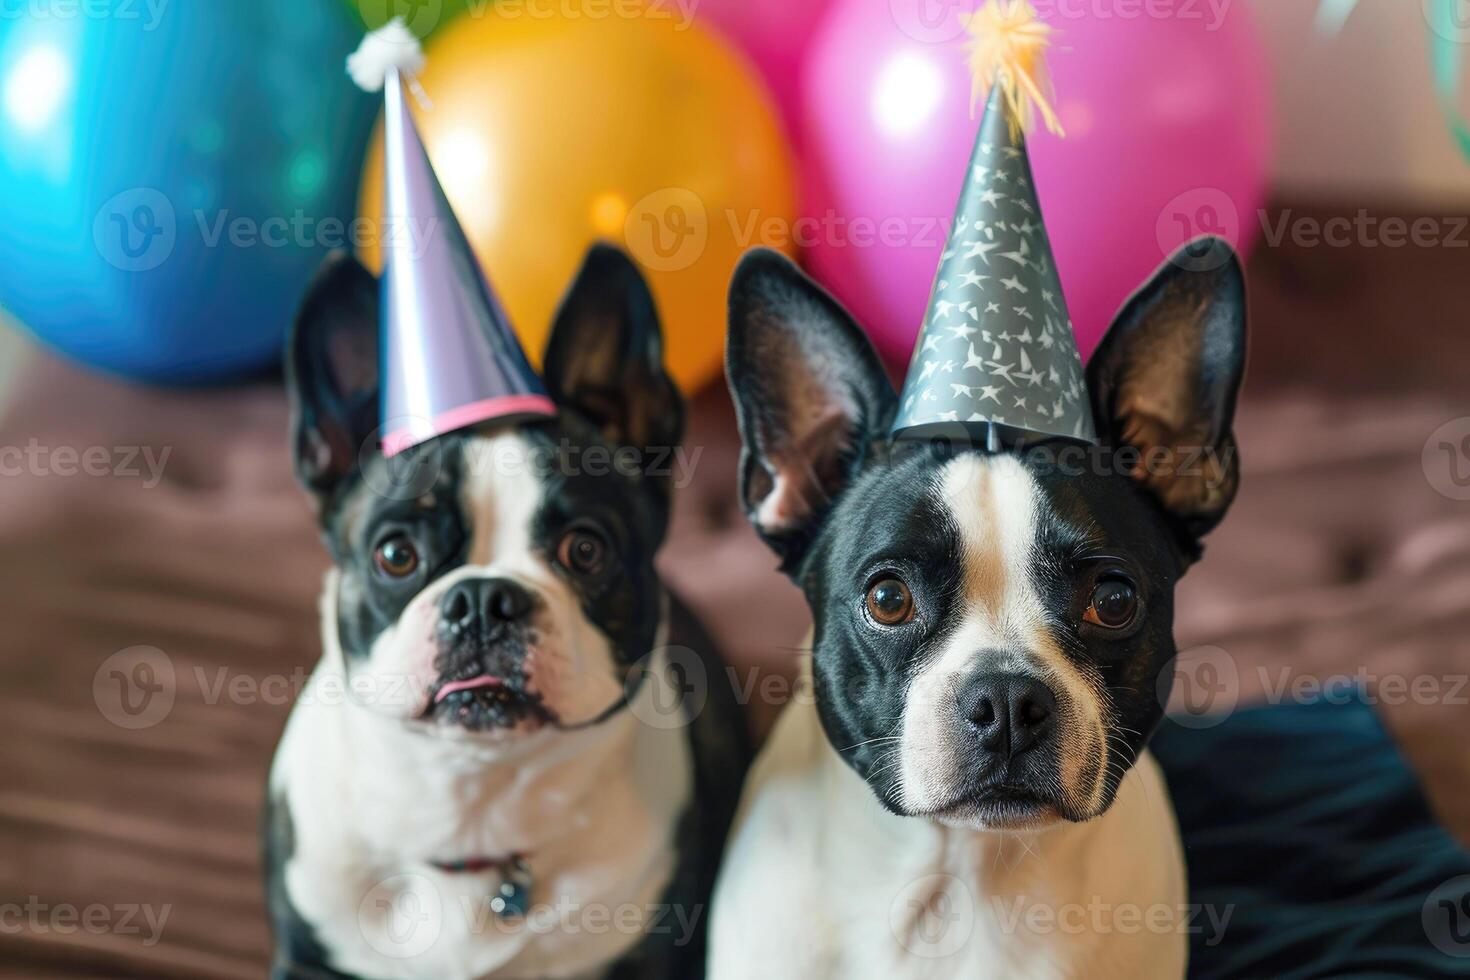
(489, 773)
(967, 791)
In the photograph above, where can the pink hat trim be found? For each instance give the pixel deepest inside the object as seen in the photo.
(468, 415)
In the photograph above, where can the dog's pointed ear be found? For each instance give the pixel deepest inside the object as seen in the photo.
(810, 394)
(605, 356)
(1164, 382)
(332, 373)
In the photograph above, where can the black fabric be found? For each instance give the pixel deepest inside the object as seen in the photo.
(1305, 822)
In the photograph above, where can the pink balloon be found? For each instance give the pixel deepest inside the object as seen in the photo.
(775, 35)
(1168, 136)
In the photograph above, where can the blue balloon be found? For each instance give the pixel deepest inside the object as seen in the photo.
(171, 175)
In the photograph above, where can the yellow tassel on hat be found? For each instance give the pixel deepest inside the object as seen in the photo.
(1008, 45)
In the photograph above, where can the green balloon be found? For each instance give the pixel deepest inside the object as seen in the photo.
(423, 17)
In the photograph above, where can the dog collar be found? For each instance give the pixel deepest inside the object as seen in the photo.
(513, 898)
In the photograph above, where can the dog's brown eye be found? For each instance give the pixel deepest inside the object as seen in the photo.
(397, 556)
(582, 551)
(1114, 604)
(890, 602)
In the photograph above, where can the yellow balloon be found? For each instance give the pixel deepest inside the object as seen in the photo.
(551, 132)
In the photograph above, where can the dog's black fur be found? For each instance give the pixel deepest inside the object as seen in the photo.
(604, 369)
(815, 410)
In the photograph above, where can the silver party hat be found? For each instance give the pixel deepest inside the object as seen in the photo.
(450, 357)
(996, 358)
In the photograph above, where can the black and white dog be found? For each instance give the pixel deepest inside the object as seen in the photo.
(967, 791)
(489, 773)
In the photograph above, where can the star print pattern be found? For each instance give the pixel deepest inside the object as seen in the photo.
(980, 250)
(997, 345)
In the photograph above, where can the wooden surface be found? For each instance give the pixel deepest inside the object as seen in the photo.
(1340, 559)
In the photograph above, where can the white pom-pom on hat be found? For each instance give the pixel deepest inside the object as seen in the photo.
(392, 46)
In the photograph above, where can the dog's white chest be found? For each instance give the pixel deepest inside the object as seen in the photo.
(374, 807)
(820, 881)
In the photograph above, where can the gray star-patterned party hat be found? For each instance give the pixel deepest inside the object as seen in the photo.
(996, 358)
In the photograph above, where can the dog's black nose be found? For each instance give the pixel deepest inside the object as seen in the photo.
(1009, 712)
(485, 602)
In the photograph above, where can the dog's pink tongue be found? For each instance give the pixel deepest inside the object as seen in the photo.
(484, 680)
